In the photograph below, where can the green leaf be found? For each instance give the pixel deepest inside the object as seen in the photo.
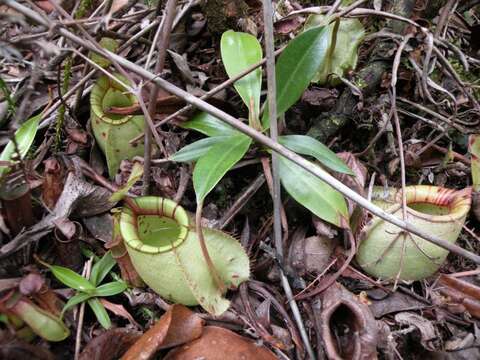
(100, 312)
(209, 125)
(317, 196)
(196, 150)
(71, 279)
(296, 67)
(102, 268)
(239, 52)
(111, 288)
(108, 44)
(474, 149)
(75, 300)
(307, 145)
(211, 167)
(135, 175)
(344, 57)
(24, 137)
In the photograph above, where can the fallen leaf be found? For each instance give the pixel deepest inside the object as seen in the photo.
(182, 65)
(392, 303)
(119, 310)
(425, 327)
(110, 345)
(53, 182)
(78, 197)
(12, 348)
(311, 254)
(177, 326)
(217, 343)
(287, 26)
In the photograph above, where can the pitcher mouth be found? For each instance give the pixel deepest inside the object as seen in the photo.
(454, 203)
(151, 206)
(103, 87)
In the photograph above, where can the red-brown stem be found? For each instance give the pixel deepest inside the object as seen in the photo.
(211, 266)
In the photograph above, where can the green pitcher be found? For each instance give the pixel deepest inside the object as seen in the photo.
(165, 251)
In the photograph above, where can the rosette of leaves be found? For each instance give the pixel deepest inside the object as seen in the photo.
(89, 290)
(225, 146)
(114, 131)
(344, 37)
(166, 252)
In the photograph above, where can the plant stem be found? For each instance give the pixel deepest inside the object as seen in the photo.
(166, 27)
(203, 245)
(81, 313)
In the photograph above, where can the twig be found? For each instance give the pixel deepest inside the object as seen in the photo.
(394, 113)
(277, 203)
(81, 313)
(255, 135)
(334, 7)
(433, 113)
(166, 26)
(241, 201)
(208, 95)
(398, 130)
(442, 22)
(182, 186)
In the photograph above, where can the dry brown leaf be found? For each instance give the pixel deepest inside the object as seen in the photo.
(53, 182)
(310, 254)
(12, 348)
(218, 343)
(177, 326)
(425, 327)
(110, 345)
(119, 310)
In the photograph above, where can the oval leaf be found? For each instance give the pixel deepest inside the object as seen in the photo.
(209, 125)
(71, 278)
(296, 67)
(101, 268)
(211, 167)
(239, 52)
(313, 193)
(194, 151)
(100, 312)
(24, 137)
(344, 57)
(307, 145)
(75, 300)
(111, 288)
